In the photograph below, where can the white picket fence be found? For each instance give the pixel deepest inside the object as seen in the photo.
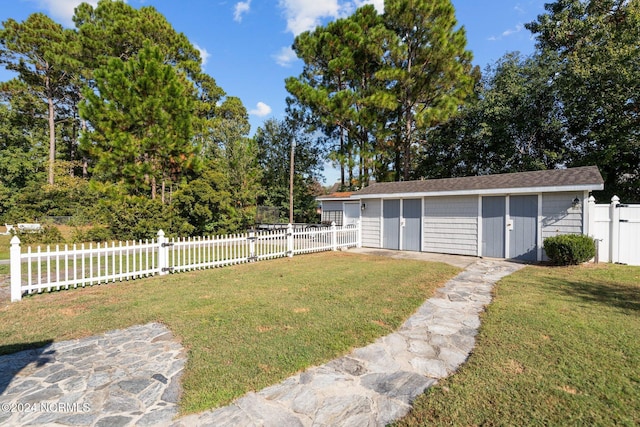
(59, 268)
(616, 229)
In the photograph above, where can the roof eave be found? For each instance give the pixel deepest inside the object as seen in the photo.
(492, 191)
(335, 199)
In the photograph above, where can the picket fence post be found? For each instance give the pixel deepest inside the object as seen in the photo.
(591, 225)
(334, 236)
(290, 240)
(15, 270)
(252, 245)
(163, 252)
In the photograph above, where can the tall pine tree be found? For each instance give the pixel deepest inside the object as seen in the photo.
(338, 83)
(44, 56)
(428, 72)
(140, 116)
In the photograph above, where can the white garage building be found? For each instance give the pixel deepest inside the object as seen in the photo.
(502, 216)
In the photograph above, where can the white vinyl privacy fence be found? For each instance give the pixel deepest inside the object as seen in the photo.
(59, 268)
(616, 229)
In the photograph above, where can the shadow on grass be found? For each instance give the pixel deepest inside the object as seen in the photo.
(11, 364)
(614, 295)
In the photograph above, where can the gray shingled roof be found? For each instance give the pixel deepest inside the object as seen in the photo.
(588, 176)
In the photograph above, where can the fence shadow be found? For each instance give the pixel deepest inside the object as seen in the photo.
(11, 364)
(613, 295)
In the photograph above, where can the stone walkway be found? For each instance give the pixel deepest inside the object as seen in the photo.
(130, 377)
(124, 377)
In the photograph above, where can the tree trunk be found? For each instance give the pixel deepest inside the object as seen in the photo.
(341, 159)
(52, 135)
(85, 160)
(406, 145)
(153, 188)
(397, 162)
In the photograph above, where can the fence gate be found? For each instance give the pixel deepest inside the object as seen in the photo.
(616, 228)
(629, 240)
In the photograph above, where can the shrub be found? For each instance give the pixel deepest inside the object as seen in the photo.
(139, 218)
(94, 234)
(569, 249)
(47, 235)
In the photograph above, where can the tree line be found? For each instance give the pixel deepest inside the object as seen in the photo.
(115, 123)
(397, 98)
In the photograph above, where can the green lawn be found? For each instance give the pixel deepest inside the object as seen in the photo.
(558, 346)
(244, 327)
(66, 231)
(5, 246)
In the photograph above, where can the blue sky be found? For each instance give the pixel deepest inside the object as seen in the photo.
(246, 44)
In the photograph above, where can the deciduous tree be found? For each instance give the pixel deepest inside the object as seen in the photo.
(598, 84)
(512, 123)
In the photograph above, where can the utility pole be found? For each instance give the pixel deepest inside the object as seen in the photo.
(291, 170)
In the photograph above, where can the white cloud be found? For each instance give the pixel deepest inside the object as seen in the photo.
(506, 33)
(204, 55)
(305, 15)
(242, 7)
(261, 110)
(511, 31)
(62, 10)
(285, 57)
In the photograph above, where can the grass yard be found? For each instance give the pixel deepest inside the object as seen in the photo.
(5, 246)
(558, 346)
(66, 231)
(244, 327)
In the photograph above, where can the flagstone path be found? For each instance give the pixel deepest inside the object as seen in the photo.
(132, 376)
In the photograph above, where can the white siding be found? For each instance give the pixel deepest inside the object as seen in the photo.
(370, 218)
(558, 216)
(451, 225)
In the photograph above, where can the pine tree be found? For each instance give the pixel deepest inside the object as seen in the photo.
(43, 54)
(337, 85)
(428, 72)
(140, 123)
